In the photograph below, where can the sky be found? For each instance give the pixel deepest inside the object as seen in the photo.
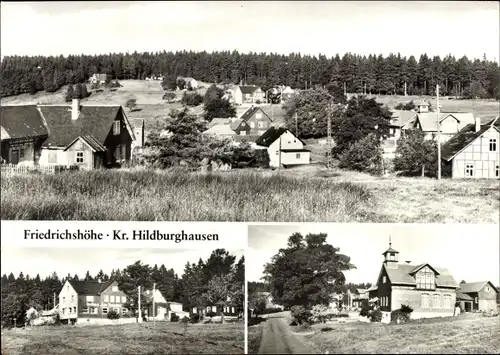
(309, 27)
(44, 261)
(469, 252)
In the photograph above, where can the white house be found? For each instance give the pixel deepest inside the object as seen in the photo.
(98, 79)
(283, 147)
(474, 152)
(248, 94)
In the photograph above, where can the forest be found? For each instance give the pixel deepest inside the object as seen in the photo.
(25, 291)
(372, 74)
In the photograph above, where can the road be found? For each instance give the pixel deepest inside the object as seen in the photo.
(277, 338)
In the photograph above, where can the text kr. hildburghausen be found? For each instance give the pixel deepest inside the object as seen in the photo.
(157, 235)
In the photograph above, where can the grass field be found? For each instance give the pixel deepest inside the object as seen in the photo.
(254, 337)
(136, 339)
(467, 334)
(296, 195)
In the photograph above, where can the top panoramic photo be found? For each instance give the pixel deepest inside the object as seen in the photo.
(276, 111)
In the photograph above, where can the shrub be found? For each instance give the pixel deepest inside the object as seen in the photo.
(193, 99)
(401, 315)
(211, 314)
(363, 155)
(195, 318)
(365, 309)
(375, 315)
(271, 310)
(113, 314)
(174, 317)
(321, 314)
(258, 102)
(300, 314)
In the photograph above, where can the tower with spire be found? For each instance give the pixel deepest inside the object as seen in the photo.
(391, 256)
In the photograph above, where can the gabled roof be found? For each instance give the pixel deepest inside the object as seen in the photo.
(463, 296)
(221, 129)
(464, 138)
(475, 286)
(403, 275)
(269, 136)
(218, 121)
(248, 89)
(402, 117)
(421, 266)
(91, 288)
(91, 142)
(251, 112)
(428, 120)
(21, 122)
(93, 121)
(235, 124)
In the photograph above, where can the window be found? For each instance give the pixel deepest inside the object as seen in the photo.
(497, 169)
(52, 157)
(93, 310)
(64, 299)
(277, 152)
(436, 301)
(476, 300)
(116, 128)
(85, 310)
(469, 170)
(243, 133)
(425, 279)
(124, 299)
(124, 310)
(111, 299)
(74, 309)
(260, 124)
(104, 310)
(493, 145)
(252, 124)
(90, 298)
(447, 301)
(384, 279)
(124, 152)
(79, 157)
(114, 288)
(72, 298)
(392, 256)
(259, 115)
(106, 298)
(21, 152)
(424, 300)
(116, 309)
(487, 288)
(233, 310)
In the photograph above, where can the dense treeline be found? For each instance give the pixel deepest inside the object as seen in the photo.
(370, 74)
(191, 289)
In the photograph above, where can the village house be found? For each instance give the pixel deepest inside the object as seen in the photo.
(474, 152)
(429, 290)
(98, 79)
(253, 122)
(160, 311)
(270, 304)
(422, 119)
(22, 132)
(359, 296)
(176, 310)
(248, 94)
(220, 131)
(478, 296)
(283, 147)
(91, 299)
(230, 311)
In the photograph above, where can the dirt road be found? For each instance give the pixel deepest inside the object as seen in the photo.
(278, 339)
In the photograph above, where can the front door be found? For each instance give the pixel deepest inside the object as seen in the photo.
(14, 157)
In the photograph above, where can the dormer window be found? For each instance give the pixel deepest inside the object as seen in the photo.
(425, 279)
(116, 128)
(392, 256)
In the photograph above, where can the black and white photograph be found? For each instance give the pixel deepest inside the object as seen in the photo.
(250, 111)
(122, 301)
(365, 288)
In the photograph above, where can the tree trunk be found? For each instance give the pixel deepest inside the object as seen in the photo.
(423, 170)
(222, 315)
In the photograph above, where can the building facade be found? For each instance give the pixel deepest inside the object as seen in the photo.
(283, 147)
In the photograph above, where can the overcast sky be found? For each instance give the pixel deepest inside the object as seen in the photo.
(44, 261)
(436, 28)
(469, 252)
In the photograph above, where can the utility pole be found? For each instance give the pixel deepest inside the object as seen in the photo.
(296, 126)
(329, 136)
(438, 133)
(139, 304)
(279, 157)
(54, 300)
(154, 313)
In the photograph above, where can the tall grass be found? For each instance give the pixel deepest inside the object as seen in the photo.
(181, 196)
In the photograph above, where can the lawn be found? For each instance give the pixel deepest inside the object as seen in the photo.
(295, 195)
(467, 334)
(136, 339)
(254, 337)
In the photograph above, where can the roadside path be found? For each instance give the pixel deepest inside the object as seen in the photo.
(278, 339)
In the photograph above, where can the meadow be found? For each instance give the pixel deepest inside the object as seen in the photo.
(254, 338)
(296, 195)
(466, 334)
(136, 339)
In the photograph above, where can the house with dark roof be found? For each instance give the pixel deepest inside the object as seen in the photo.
(283, 147)
(248, 94)
(253, 122)
(98, 78)
(477, 296)
(91, 299)
(429, 290)
(474, 152)
(22, 132)
(87, 136)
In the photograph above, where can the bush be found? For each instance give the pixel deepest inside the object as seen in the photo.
(271, 310)
(363, 155)
(193, 99)
(195, 318)
(321, 313)
(375, 315)
(174, 317)
(365, 309)
(211, 314)
(300, 314)
(113, 314)
(401, 315)
(258, 102)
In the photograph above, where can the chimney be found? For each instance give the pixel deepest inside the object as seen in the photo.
(478, 124)
(75, 109)
(408, 261)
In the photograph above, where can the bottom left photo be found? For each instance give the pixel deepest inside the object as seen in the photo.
(122, 301)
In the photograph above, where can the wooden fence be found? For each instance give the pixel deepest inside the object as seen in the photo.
(23, 169)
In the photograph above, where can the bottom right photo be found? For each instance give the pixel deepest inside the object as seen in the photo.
(373, 288)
